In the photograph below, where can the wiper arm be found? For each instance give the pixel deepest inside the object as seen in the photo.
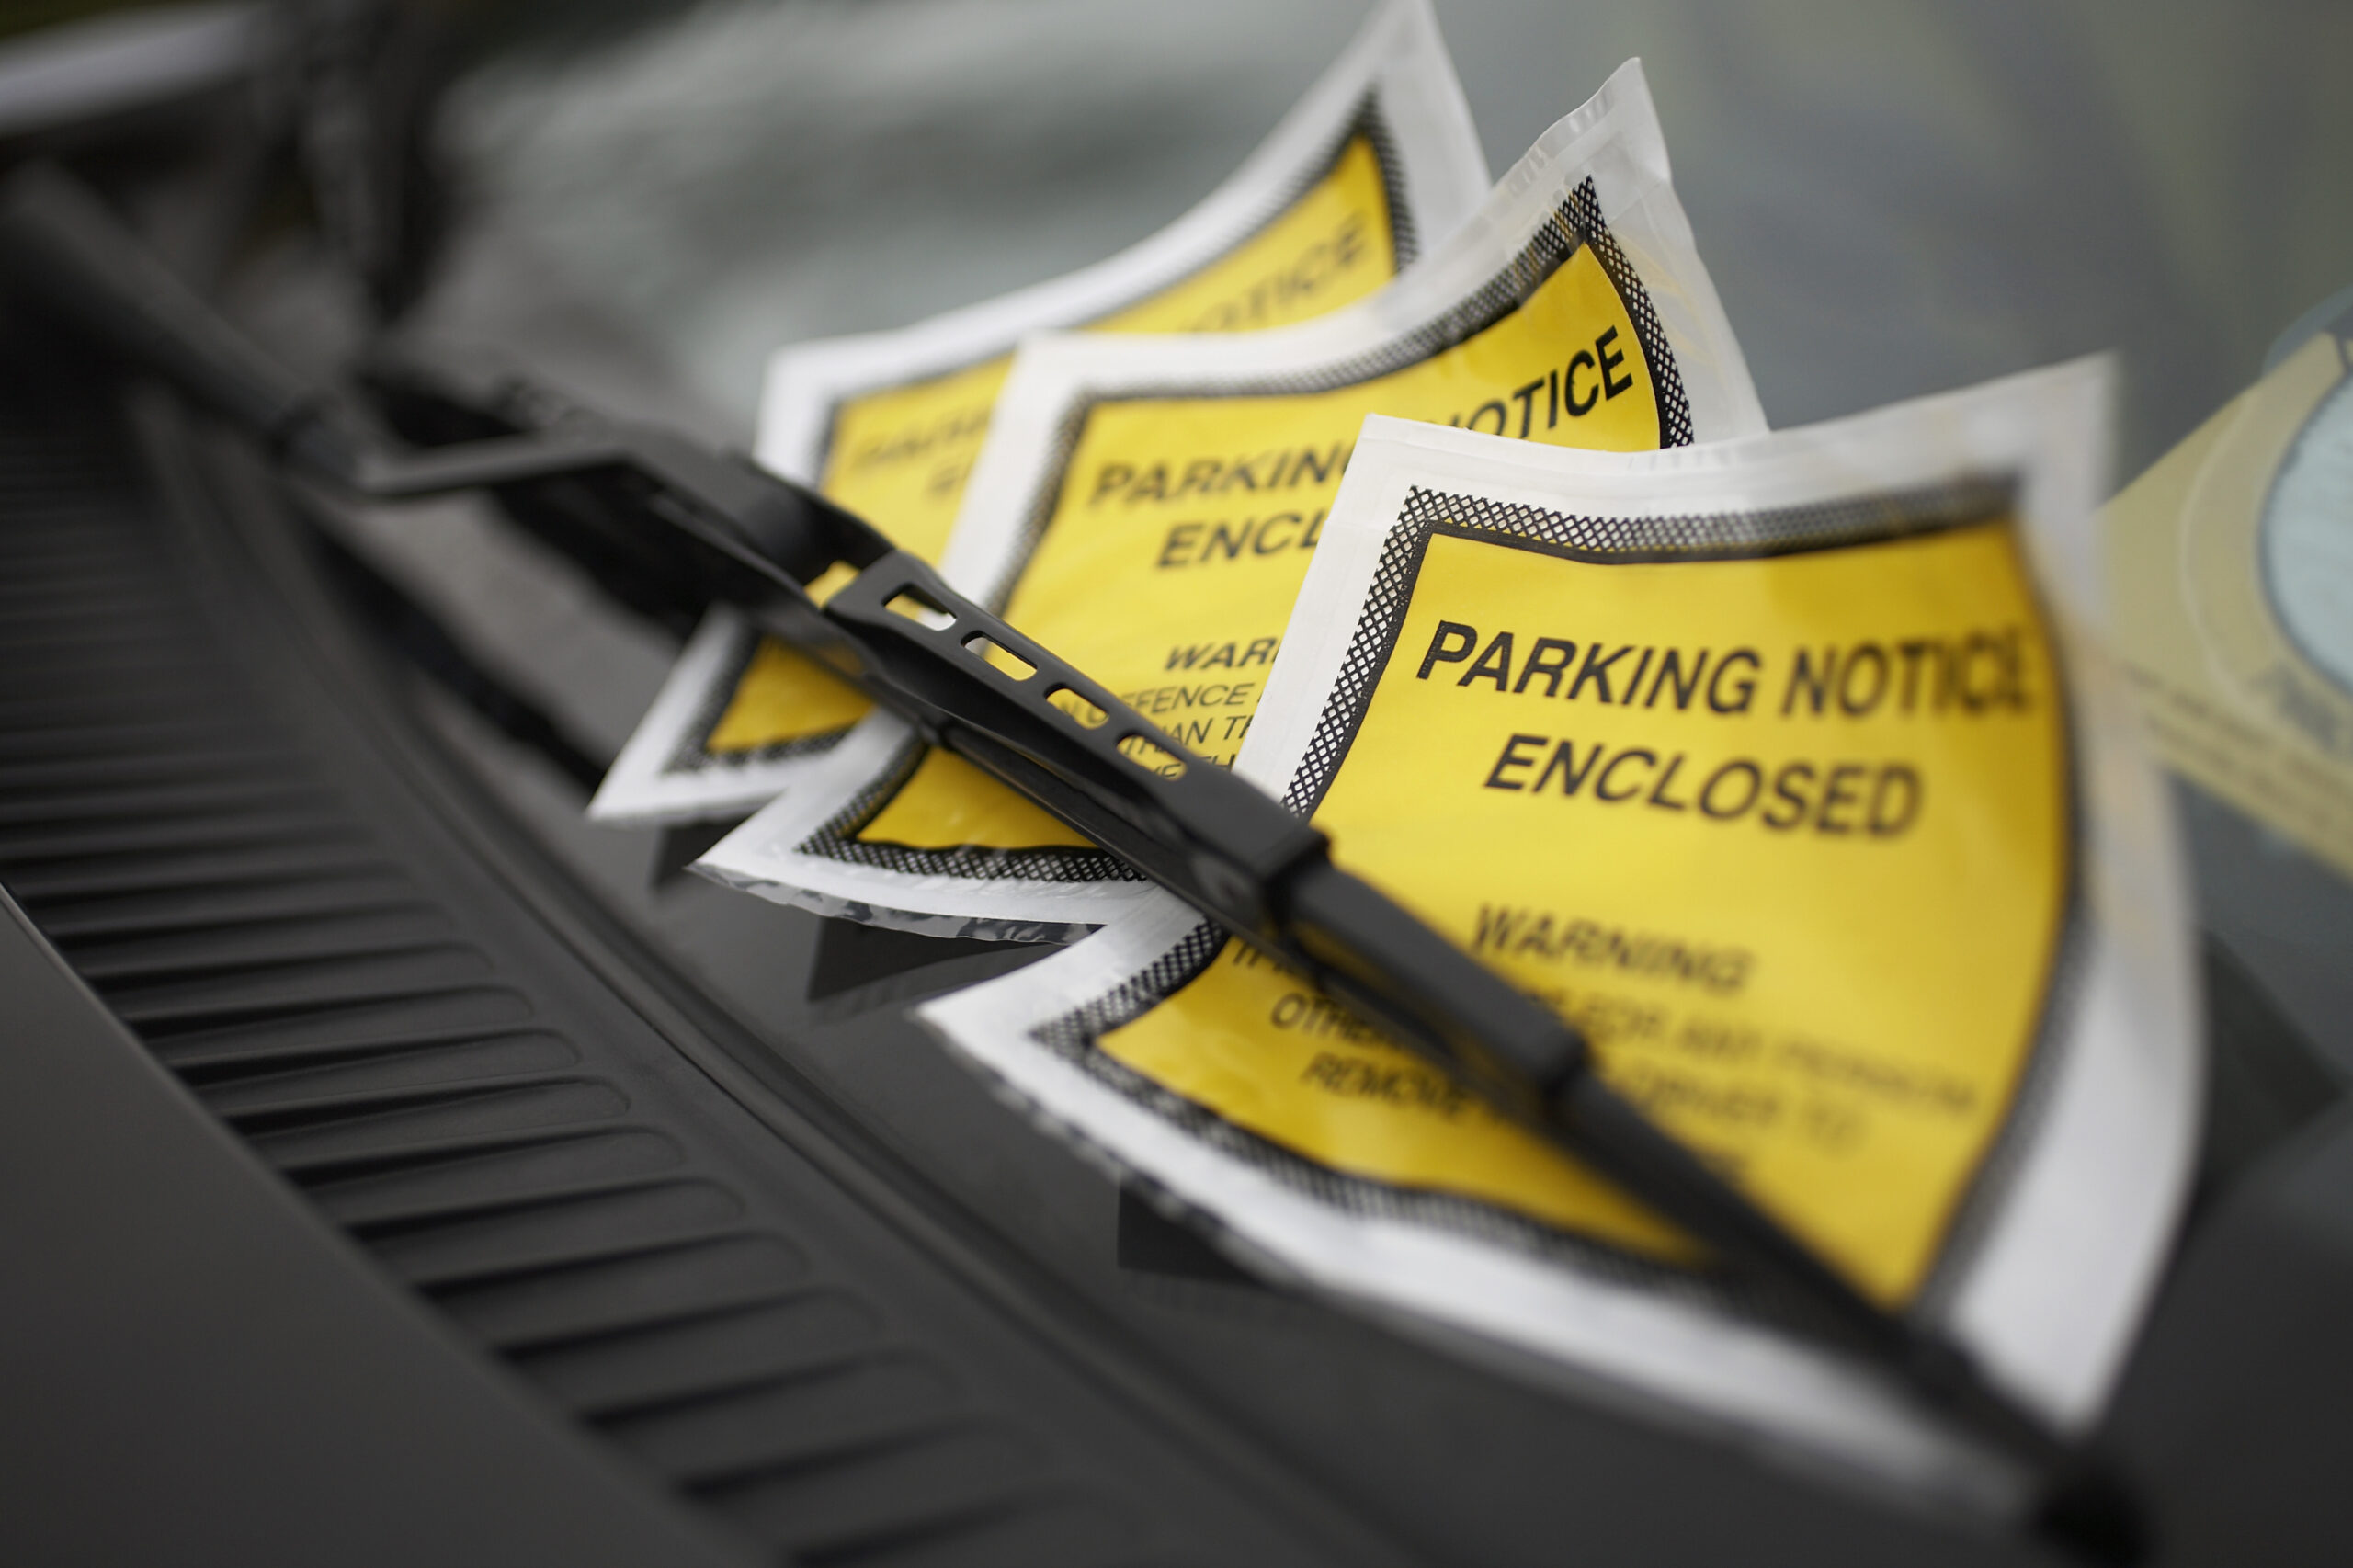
(917, 647)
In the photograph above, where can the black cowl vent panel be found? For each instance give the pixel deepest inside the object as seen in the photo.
(220, 854)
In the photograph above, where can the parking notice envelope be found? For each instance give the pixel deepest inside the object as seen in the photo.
(2232, 583)
(1792, 771)
(1378, 159)
(1147, 508)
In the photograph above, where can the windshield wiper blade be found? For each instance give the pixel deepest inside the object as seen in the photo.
(919, 648)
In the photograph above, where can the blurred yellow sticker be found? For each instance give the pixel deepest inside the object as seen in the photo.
(2231, 565)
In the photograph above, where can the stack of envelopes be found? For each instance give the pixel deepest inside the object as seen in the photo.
(1793, 769)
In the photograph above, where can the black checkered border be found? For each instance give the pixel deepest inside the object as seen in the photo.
(1674, 401)
(1404, 237)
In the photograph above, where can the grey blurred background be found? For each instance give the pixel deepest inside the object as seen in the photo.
(1894, 198)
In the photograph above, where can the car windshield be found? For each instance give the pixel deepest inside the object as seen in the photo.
(649, 200)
